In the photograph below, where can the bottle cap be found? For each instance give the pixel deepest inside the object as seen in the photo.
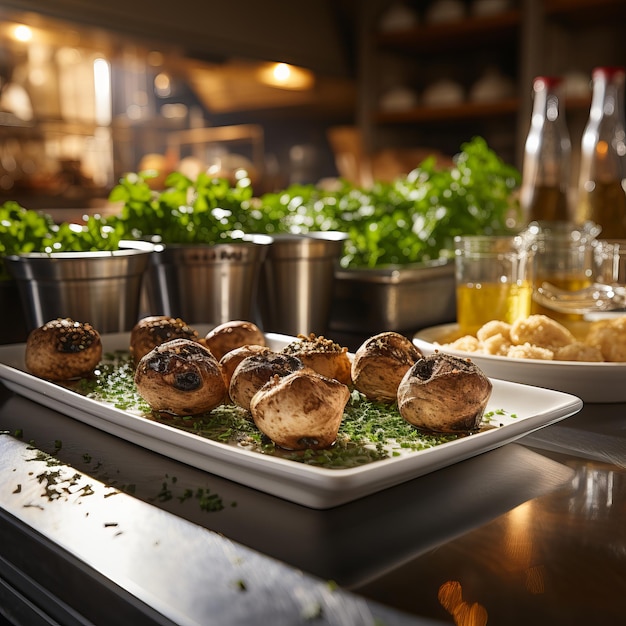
(548, 81)
(609, 71)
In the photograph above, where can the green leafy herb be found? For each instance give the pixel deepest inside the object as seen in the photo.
(23, 231)
(411, 220)
(205, 211)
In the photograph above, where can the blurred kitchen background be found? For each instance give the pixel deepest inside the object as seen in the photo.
(294, 92)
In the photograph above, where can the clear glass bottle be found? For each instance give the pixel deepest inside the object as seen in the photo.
(547, 157)
(602, 183)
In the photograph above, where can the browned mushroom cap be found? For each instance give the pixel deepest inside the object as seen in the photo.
(322, 355)
(299, 411)
(231, 335)
(63, 349)
(232, 359)
(444, 393)
(254, 371)
(380, 363)
(152, 331)
(180, 377)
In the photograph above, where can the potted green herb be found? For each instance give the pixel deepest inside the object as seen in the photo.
(396, 271)
(84, 271)
(208, 268)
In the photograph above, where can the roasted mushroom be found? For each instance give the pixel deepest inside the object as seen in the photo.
(63, 349)
(322, 355)
(232, 359)
(444, 393)
(180, 377)
(254, 371)
(380, 363)
(231, 335)
(299, 411)
(152, 331)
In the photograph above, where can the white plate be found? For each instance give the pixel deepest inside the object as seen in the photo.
(592, 382)
(527, 409)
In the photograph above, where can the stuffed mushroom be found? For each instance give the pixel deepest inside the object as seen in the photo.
(230, 335)
(152, 331)
(180, 377)
(232, 359)
(322, 355)
(301, 410)
(380, 363)
(254, 371)
(63, 349)
(444, 393)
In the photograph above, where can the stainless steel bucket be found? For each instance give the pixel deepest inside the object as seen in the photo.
(296, 285)
(402, 298)
(102, 288)
(209, 284)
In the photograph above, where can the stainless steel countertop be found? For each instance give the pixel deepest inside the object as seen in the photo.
(531, 532)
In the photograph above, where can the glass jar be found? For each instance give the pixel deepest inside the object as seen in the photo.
(602, 183)
(547, 156)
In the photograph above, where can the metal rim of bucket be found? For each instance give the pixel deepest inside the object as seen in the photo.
(318, 244)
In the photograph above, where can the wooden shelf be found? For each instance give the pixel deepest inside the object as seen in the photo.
(453, 35)
(582, 11)
(465, 111)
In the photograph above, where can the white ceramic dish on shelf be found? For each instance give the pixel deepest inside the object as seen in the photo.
(592, 382)
(525, 409)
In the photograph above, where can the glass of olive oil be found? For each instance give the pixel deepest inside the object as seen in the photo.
(564, 257)
(494, 279)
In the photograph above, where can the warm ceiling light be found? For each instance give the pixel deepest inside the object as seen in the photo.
(285, 76)
(163, 85)
(282, 72)
(22, 33)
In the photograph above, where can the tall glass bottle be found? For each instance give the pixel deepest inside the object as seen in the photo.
(602, 184)
(547, 157)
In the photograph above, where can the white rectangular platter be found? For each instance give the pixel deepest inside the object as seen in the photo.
(526, 410)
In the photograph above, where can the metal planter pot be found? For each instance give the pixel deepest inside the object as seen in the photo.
(102, 288)
(208, 284)
(402, 298)
(297, 282)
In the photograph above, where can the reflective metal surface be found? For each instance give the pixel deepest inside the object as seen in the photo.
(295, 294)
(102, 287)
(400, 298)
(206, 283)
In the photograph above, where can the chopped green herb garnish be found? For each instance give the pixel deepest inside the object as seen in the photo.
(369, 432)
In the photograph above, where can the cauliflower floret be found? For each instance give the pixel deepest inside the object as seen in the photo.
(578, 351)
(467, 343)
(497, 344)
(530, 351)
(609, 336)
(541, 330)
(492, 328)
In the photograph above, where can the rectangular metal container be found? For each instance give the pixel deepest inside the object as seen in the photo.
(399, 298)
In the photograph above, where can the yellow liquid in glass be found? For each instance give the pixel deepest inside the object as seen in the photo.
(478, 304)
(572, 321)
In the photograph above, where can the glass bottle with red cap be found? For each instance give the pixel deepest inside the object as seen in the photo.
(547, 156)
(602, 182)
